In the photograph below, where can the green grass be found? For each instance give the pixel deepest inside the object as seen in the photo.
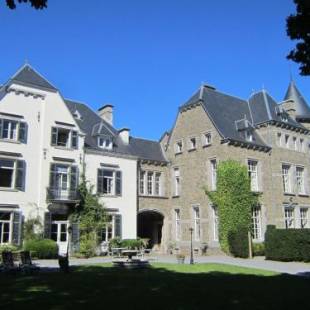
(164, 286)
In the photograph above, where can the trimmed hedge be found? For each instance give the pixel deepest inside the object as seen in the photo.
(42, 248)
(287, 244)
(131, 244)
(258, 249)
(238, 243)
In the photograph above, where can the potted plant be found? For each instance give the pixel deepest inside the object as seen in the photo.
(180, 258)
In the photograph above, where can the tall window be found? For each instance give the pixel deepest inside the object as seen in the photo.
(256, 223)
(192, 143)
(289, 217)
(179, 147)
(12, 173)
(5, 227)
(286, 180)
(157, 183)
(279, 139)
(215, 224)
(64, 137)
(142, 182)
(287, 141)
(196, 223)
(304, 218)
(13, 130)
(253, 175)
(300, 182)
(295, 144)
(177, 224)
(206, 139)
(109, 182)
(301, 144)
(176, 182)
(213, 174)
(107, 231)
(150, 183)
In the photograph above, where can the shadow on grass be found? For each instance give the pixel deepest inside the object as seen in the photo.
(95, 287)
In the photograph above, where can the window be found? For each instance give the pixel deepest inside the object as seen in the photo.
(304, 218)
(301, 144)
(64, 138)
(213, 174)
(157, 183)
(176, 182)
(59, 228)
(279, 139)
(206, 139)
(105, 142)
(300, 182)
(142, 182)
(5, 227)
(289, 217)
(12, 174)
(196, 223)
(253, 175)
(256, 223)
(13, 130)
(192, 144)
(109, 182)
(107, 232)
(215, 224)
(287, 141)
(179, 147)
(177, 224)
(150, 183)
(284, 117)
(248, 135)
(295, 144)
(286, 179)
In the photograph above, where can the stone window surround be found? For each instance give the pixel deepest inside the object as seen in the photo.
(203, 138)
(190, 146)
(296, 215)
(145, 173)
(177, 149)
(294, 143)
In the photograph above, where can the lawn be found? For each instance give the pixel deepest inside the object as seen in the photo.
(164, 286)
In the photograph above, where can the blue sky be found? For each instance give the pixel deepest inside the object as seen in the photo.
(147, 58)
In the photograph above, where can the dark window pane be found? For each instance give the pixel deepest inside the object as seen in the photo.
(6, 177)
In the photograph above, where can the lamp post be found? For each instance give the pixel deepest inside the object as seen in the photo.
(191, 261)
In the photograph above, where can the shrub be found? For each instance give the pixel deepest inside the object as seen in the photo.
(132, 244)
(258, 249)
(8, 247)
(88, 245)
(238, 243)
(287, 244)
(44, 248)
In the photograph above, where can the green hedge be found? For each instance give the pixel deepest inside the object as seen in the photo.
(258, 249)
(42, 248)
(287, 244)
(8, 247)
(238, 243)
(126, 243)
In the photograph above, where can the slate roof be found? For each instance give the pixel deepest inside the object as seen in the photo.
(28, 76)
(92, 125)
(302, 107)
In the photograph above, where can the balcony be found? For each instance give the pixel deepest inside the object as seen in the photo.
(58, 194)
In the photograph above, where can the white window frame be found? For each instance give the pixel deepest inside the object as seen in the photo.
(301, 145)
(192, 143)
(287, 141)
(300, 180)
(177, 216)
(142, 176)
(107, 229)
(286, 178)
(279, 139)
(157, 183)
(215, 223)
(257, 223)
(213, 168)
(12, 133)
(13, 174)
(105, 143)
(178, 147)
(10, 222)
(176, 181)
(197, 222)
(304, 217)
(289, 217)
(207, 138)
(253, 174)
(248, 135)
(295, 144)
(150, 183)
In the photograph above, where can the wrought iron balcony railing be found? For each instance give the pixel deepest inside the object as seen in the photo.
(62, 195)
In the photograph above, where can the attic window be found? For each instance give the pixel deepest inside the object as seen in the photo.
(284, 117)
(77, 115)
(105, 143)
(179, 147)
(248, 135)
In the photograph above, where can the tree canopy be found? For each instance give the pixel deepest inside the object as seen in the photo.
(37, 4)
(298, 28)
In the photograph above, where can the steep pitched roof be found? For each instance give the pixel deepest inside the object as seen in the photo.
(302, 107)
(28, 76)
(92, 124)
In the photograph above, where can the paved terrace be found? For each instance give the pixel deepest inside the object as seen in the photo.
(293, 268)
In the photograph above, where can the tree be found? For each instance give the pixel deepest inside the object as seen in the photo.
(234, 201)
(298, 28)
(37, 4)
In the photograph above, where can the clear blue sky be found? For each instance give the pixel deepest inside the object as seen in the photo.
(148, 57)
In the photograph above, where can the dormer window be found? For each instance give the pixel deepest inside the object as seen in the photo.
(284, 117)
(179, 147)
(248, 135)
(192, 143)
(77, 115)
(105, 143)
(206, 139)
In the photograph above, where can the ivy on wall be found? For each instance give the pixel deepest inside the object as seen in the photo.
(234, 201)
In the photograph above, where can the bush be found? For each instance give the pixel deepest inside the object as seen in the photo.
(238, 243)
(8, 247)
(287, 244)
(258, 249)
(88, 245)
(115, 242)
(42, 249)
(131, 244)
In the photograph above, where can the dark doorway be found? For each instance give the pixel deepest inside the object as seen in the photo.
(150, 225)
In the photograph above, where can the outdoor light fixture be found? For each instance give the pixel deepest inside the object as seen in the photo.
(191, 261)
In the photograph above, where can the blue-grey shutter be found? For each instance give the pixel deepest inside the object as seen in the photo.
(118, 191)
(20, 178)
(47, 225)
(100, 181)
(22, 132)
(118, 225)
(74, 140)
(73, 179)
(54, 136)
(17, 225)
(53, 176)
(75, 238)
(1, 126)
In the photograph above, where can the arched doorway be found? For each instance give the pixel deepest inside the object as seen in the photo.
(150, 223)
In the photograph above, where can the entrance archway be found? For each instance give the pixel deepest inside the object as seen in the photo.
(150, 223)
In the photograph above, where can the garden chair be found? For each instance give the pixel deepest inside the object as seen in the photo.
(26, 262)
(8, 262)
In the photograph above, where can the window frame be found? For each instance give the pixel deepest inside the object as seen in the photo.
(197, 222)
(300, 186)
(253, 174)
(176, 182)
(178, 147)
(213, 168)
(177, 217)
(10, 222)
(206, 139)
(113, 181)
(256, 217)
(289, 217)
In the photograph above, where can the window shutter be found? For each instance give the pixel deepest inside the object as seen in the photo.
(17, 225)
(20, 175)
(75, 238)
(100, 181)
(47, 225)
(54, 136)
(118, 225)
(306, 181)
(118, 191)
(74, 178)
(1, 126)
(22, 132)
(294, 188)
(74, 139)
(53, 176)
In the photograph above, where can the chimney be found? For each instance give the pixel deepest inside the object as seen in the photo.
(106, 113)
(124, 134)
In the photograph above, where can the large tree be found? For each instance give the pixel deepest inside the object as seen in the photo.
(298, 28)
(37, 4)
